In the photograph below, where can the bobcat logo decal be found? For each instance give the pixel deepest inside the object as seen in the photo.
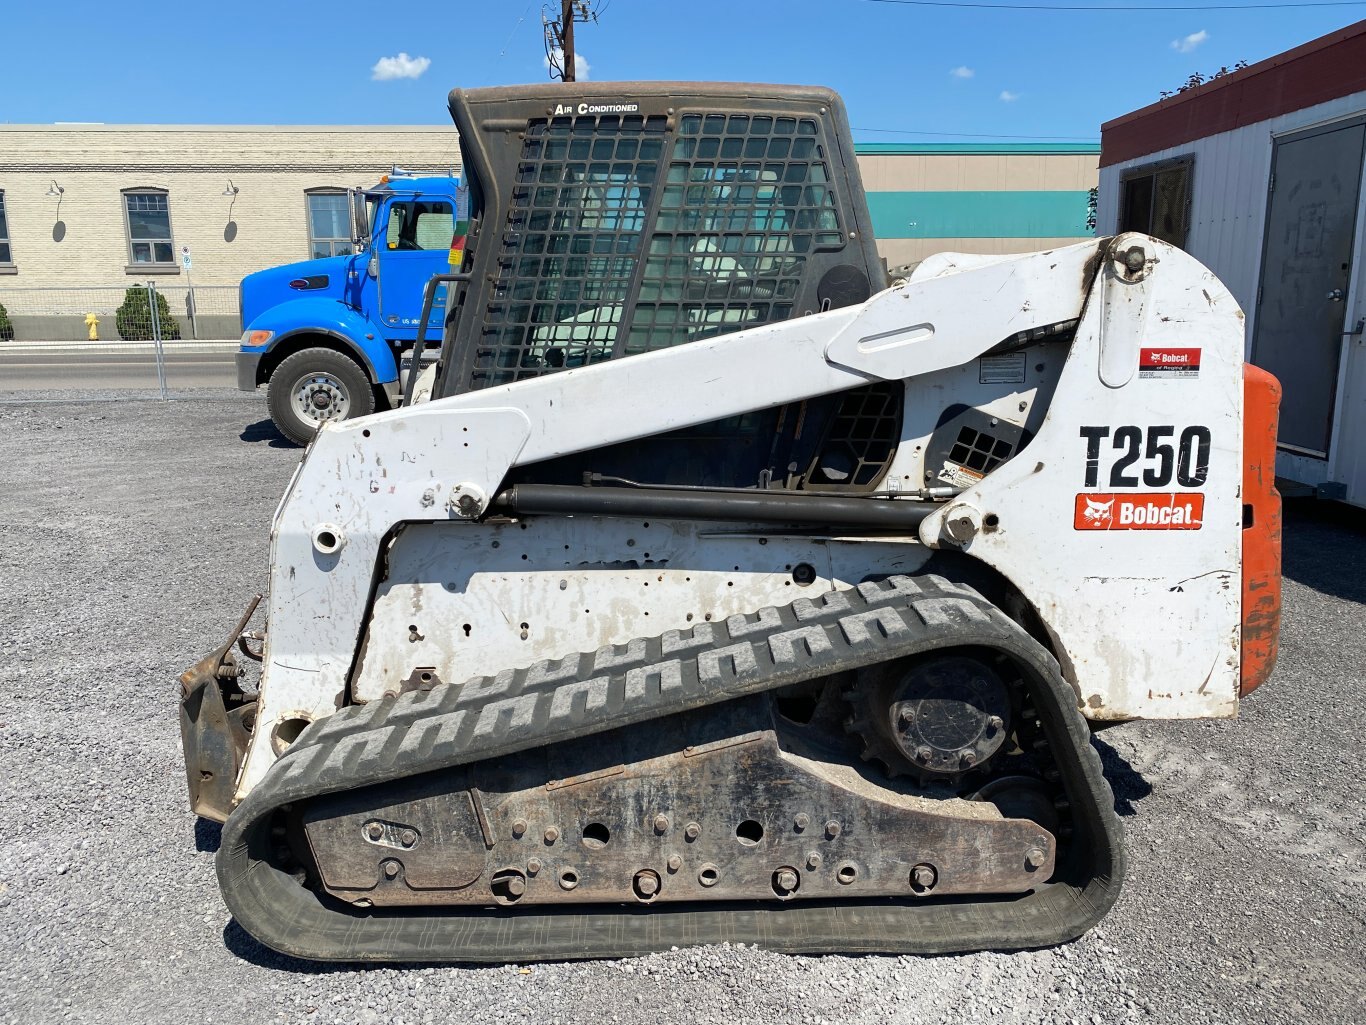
(1097, 512)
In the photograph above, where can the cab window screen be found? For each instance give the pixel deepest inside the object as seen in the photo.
(621, 238)
(747, 200)
(571, 245)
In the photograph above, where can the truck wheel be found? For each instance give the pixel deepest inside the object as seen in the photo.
(316, 385)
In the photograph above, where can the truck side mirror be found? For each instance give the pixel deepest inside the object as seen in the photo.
(360, 217)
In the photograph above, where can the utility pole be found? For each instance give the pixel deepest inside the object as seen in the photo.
(559, 36)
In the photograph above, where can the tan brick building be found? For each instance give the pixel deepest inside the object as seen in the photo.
(80, 235)
(86, 207)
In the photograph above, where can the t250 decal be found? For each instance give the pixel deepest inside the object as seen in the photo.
(1147, 457)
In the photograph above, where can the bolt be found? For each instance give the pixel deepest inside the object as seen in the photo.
(1035, 858)
(905, 718)
(516, 885)
(1135, 258)
(661, 823)
(551, 834)
(813, 860)
(675, 862)
(390, 869)
(787, 879)
(692, 830)
(467, 505)
(374, 831)
(922, 754)
(801, 821)
(647, 883)
(994, 724)
(967, 759)
(518, 828)
(408, 837)
(923, 877)
(832, 829)
(428, 498)
(533, 866)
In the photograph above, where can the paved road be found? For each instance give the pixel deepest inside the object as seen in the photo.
(45, 366)
(132, 534)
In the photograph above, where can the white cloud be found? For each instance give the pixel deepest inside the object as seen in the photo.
(1009, 97)
(962, 71)
(581, 65)
(1188, 43)
(388, 68)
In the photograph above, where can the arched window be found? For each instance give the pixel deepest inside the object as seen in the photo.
(6, 254)
(329, 223)
(147, 217)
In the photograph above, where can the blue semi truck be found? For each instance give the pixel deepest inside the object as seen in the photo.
(327, 337)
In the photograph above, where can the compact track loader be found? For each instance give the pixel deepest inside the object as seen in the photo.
(713, 587)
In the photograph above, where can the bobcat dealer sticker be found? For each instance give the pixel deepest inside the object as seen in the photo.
(1151, 511)
(1168, 364)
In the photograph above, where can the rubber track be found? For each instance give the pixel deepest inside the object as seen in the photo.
(426, 730)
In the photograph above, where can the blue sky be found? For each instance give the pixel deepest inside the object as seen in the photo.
(933, 71)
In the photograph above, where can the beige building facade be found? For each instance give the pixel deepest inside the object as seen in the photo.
(87, 211)
(237, 196)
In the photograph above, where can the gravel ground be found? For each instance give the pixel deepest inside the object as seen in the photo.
(131, 536)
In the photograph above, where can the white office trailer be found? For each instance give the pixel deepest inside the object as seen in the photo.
(1258, 175)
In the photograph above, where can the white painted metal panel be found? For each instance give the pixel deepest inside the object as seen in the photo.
(1229, 185)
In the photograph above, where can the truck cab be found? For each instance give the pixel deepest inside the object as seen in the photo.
(327, 336)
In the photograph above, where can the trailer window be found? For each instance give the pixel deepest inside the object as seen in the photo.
(420, 224)
(1155, 199)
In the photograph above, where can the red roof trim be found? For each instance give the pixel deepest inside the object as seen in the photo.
(1322, 69)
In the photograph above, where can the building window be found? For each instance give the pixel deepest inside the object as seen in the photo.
(1156, 200)
(6, 255)
(329, 228)
(149, 228)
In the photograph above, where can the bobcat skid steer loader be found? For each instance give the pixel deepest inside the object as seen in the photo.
(711, 587)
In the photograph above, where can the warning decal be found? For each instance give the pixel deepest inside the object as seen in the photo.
(1152, 511)
(1168, 363)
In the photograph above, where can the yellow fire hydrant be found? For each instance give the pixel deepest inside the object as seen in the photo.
(92, 324)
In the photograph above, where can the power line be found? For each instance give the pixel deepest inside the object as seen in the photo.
(1120, 7)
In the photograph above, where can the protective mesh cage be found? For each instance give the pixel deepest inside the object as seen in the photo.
(861, 440)
(720, 244)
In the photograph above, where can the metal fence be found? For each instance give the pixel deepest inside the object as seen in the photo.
(64, 314)
(136, 336)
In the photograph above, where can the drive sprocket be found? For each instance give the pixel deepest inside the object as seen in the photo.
(936, 718)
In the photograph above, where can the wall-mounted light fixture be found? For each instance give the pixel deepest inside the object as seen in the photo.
(231, 190)
(55, 190)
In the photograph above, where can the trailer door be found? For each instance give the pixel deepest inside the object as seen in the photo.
(1306, 272)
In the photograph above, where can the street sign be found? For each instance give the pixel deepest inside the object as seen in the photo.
(185, 257)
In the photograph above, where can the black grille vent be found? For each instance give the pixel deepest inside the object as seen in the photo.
(979, 451)
(861, 441)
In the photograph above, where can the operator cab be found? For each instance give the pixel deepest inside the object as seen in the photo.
(615, 219)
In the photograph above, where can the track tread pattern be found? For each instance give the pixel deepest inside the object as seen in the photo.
(644, 679)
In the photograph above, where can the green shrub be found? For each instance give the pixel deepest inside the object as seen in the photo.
(134, 319)
(6, 328)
